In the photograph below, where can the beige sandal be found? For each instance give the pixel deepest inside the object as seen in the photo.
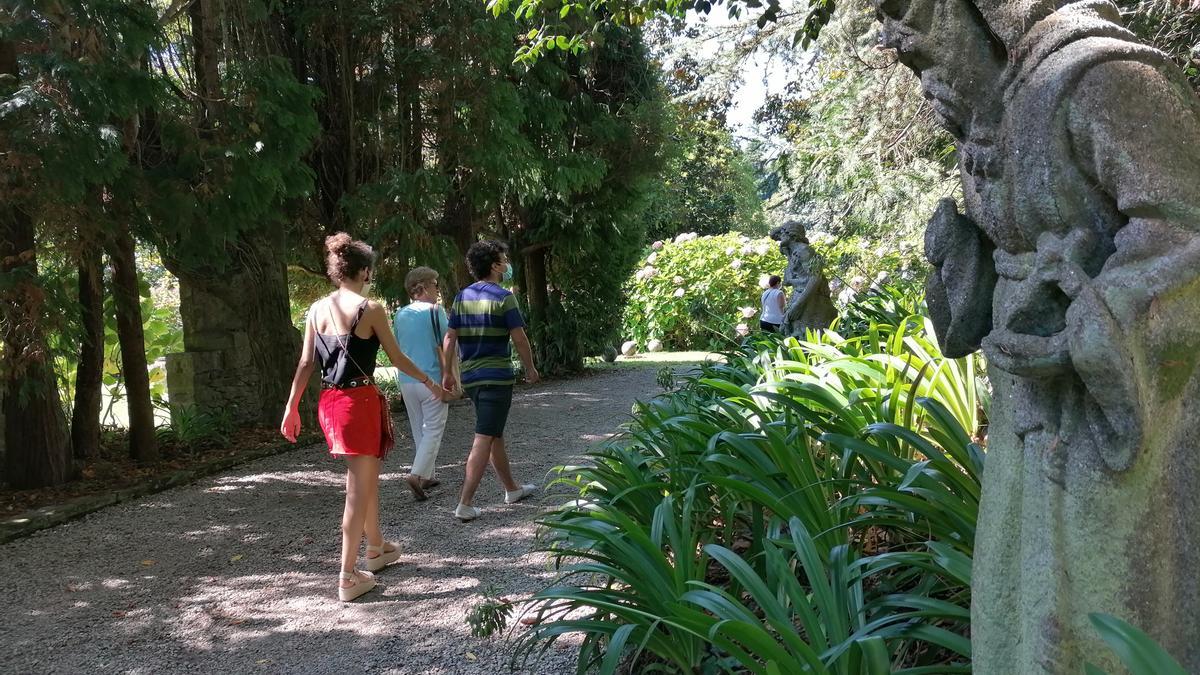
(363, 582)
(384, 558)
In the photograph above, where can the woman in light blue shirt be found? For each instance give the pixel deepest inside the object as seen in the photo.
(419, 328)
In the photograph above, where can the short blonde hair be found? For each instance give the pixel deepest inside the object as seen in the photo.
(417, 277)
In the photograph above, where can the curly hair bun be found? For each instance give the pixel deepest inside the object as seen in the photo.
(346, 257)
(337, 243)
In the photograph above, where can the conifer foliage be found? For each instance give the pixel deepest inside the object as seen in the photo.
(223, 141)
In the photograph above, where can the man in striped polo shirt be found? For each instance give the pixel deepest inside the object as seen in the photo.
(483, 319)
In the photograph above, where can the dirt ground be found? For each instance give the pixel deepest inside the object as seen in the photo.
(237, 573)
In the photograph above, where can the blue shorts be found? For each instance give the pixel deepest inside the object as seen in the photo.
(492, 402)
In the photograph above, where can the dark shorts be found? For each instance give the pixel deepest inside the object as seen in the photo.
(773, 327)
(492, 402)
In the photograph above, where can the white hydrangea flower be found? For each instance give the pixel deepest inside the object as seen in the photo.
(764, 281)
(743, 330)
(679, 292)
(762, 249)
(678, 280)
(729, 250)
(748, 312)
(657, 246)
(652, 257)
(736, 264)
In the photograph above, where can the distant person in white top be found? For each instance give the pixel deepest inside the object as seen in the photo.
(772, 305)
(420, 327)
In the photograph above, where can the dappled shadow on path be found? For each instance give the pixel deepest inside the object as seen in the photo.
(238, 572)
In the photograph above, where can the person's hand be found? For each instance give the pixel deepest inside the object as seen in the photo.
(436, 389)
(532, 376)
(290, 427)
(448, 382)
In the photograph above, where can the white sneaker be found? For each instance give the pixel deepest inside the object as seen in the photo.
(514, 496)
(466, 513)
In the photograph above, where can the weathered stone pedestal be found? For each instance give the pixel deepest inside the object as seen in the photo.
(215, 380)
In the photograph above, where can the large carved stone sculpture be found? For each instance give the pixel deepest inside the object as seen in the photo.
(1076, 268)
(809, 305)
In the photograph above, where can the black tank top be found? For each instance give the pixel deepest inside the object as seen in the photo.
(338, 365)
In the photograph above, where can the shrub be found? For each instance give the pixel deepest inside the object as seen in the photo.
(690, 293)
(802, 507)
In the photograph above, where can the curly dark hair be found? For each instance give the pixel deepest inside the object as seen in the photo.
(347, 257)
(482, 255)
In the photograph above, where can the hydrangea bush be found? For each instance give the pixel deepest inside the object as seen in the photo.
(699, 292)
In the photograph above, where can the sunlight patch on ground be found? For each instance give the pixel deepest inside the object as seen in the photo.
(596, 438)
(672, 357)
(314, 478)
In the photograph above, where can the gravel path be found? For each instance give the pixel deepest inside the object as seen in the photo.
(237, 573)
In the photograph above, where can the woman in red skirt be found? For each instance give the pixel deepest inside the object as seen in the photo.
(342, 336)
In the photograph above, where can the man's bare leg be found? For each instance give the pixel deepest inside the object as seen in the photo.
(500, 464)
(477, 461)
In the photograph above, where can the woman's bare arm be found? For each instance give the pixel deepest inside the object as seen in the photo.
(290, 427)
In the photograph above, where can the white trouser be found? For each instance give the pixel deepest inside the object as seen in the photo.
(427, 417)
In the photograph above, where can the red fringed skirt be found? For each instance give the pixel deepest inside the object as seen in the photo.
(356, 421)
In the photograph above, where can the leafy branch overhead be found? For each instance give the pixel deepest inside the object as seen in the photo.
(575, 26)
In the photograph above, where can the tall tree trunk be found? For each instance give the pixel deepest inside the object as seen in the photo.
(206, 52)
(459, 224)
(143, 445)
(535, 280)
(89, 374)
(37, 447)
(237, 329)
(408, 90)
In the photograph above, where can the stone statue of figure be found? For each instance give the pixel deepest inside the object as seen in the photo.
(1076, 269)
(809, 306)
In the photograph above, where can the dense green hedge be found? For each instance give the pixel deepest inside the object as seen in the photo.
(693, 292)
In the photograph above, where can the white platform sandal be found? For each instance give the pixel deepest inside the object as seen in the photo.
(384, 558)
(364, 581)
